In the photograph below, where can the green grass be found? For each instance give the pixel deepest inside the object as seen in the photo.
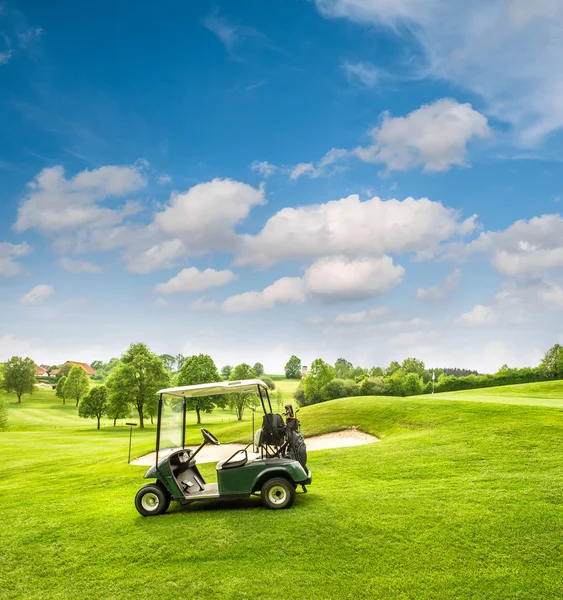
(546, 393)
(458, 500)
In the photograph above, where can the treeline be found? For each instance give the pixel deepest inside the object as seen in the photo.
(411, 377)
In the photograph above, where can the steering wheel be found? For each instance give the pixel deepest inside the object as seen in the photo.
(209, 437)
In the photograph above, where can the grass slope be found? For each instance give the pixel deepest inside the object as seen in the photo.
(459, 500)
(545, 393)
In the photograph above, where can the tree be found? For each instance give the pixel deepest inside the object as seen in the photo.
(180, 359)
(413, 365)
(269, 382)
(118, 407)
(64, 370)
(169, 362)
(393, 367)
(226, 371)
(3, 407)
(94, 404)
(19, 376)
(376, 372)
(200, 369)
(413, 385)
(136, 380)
(342, 369)
(77, 383)
(258, 368)
(60, 389)
(552, 362)
(239, 401)
(278, 398)
(97, 365)
(314, 385)
(293, 368)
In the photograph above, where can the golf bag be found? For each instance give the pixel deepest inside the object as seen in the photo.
(296, 448)
(273, 431)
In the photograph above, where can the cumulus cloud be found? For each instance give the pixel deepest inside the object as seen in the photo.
(362, 316)
(204, 217)
(194, 280)
(287, 290)
(478, 315)
(164, 179)
(8, 255)
(352, 228)
(37, 295)
(439, 292)
(510, 52)
(79, 266)
(203, 304)
(264, 168)
(335, 279)
(54, 203)
(314, 170)
(435, 136)
(159, 256)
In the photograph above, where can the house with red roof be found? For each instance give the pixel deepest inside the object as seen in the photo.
(85, 366)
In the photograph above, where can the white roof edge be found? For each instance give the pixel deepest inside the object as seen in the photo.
(212, 389)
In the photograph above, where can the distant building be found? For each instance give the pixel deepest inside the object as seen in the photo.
(85, 366)
(304, 371)
(40, 371)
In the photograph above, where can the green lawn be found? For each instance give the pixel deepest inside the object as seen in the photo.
(458, 500)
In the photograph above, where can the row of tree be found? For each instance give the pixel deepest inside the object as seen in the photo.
(411, 377)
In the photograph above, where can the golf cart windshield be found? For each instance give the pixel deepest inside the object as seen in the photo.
(171, 424)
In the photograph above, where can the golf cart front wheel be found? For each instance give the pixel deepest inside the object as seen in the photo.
(152, 500)
(277, 492)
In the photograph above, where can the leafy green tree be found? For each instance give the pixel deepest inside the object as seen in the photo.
(94, 404)
(169, 362)
(258, 368)
(64, 370)
(3, 407)
(60, 389)
(552, 362)
(341, 388)
(376, 372)
(413, 385)
(293, 368)
(413, 365)
(200, 369)
(77, 384)
(118, 407)
(226, 371)
(241, 400)
(19, 376)
(180, 359)
(97, 365)
(269, 382)
(393, 367)
(397, 383)
(342, 369)
(278, 399)
(314, 385)
(136, 380)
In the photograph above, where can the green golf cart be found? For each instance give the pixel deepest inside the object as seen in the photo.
(274, 472)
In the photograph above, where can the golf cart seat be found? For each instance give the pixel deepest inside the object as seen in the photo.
(229, 463)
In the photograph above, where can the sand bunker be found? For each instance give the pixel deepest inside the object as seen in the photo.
(340, 439)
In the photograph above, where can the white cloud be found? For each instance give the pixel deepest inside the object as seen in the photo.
(203, 304)
(228, 33)
(29, 35)
(194, 280)
(164, 179)
(508, 51)
(367, 74)
(362, 316)
(204, 217)
(553, 296)
(320, 168)
(8, 253)
(79, 266)
(264, 168)
(334, 279)
(435, 136)
(37, 295)
(159, 256)
(352, 228)
(398, 324)
(162, 303)
(439, 292)
(301, 169)
(478, 315)
(288, 290)
(55, 203)
(412, 338)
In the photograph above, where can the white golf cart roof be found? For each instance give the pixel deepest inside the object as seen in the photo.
(214, 389)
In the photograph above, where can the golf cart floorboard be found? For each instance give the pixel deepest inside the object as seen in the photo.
(210, 490)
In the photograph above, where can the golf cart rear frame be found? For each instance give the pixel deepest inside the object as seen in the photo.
(275, 474)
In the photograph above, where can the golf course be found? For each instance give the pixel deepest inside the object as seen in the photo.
(462, 498)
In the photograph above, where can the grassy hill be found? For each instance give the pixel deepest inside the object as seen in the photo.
(459, 500)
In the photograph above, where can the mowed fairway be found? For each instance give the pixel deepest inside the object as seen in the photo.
(458, 500)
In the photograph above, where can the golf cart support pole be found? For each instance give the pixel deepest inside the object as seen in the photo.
(184, 424)
(158, 428)
(262, 399)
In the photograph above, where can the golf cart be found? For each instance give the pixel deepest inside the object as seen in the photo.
(274, 472)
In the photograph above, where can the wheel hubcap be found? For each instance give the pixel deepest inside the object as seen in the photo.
(277, 494)
(150, 501)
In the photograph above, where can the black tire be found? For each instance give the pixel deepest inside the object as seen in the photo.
(277, 493)
(152, 500)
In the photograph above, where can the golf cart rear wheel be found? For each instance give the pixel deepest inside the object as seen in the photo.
(277, 492)
(152, 500)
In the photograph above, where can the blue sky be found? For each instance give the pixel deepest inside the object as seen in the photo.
(362, 178)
